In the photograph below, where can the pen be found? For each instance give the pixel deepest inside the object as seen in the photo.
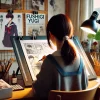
(42, 58)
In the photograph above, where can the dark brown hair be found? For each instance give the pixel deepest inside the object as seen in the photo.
(10, 14)
(61, 26)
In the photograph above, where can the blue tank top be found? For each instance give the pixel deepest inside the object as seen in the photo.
(62, 72)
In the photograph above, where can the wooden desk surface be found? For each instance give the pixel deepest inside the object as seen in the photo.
(28, 93)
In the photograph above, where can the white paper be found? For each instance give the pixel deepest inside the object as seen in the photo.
(34, 50)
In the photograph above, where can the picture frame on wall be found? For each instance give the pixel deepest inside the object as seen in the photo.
(34, 4)
(15, 28)
(14, 4)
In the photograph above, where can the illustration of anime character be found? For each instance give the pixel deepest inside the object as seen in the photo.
(35, 33)
(10, 29)
(36, 4)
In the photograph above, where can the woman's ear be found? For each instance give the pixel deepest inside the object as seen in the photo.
(52, 38)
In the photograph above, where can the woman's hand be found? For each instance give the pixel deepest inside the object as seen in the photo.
(42, 59)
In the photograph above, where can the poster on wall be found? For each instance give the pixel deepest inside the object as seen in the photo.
(55, 7)
(34, 4)
(14, 28)
(35, 24)
(14, 4)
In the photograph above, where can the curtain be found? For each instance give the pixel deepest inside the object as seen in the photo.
(79, 11)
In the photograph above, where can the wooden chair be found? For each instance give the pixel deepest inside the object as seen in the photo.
(89, 94)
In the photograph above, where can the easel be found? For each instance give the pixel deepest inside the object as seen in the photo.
(20, 57)
(34, 37)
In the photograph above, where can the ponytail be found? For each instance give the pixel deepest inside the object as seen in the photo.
(68, 52)
(61, 27)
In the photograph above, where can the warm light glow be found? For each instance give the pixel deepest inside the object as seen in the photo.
(96, 3)
(88, 30)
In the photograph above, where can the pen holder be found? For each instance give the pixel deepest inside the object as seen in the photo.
(4, 69)
(4, 76)
(1, 75)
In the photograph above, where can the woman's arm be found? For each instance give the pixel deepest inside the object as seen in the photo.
(43, 84)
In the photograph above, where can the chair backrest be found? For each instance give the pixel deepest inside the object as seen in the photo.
(87, 94)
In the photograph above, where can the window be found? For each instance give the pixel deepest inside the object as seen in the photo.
(97, 8)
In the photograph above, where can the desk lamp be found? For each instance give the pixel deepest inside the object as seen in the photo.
(90, 25)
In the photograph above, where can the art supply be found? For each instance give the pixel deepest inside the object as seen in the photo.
(17, 87)
(8, 66)
(42, 58)
(13, 78)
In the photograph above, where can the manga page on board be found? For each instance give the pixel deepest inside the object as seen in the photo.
(34, 51)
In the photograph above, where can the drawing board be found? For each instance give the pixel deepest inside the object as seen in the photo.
(28, 53)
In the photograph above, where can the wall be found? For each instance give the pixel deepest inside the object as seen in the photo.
(23, 10)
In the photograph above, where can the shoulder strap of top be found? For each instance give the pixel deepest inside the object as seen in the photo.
(61, 71)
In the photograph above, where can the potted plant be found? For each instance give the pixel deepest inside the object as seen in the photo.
(94, 39)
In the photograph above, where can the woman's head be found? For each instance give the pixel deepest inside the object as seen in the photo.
(10, 14)
(60, 26)
(9, 17)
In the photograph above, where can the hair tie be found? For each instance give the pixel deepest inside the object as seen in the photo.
(66, 38)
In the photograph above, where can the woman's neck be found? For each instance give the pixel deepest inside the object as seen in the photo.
(59, 45)
(9, 23)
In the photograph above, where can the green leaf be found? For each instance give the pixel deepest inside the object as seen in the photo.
(91, 36)
(97, 36)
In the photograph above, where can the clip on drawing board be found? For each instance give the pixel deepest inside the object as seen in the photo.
(23, 62)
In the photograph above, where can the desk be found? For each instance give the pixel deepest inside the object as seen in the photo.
(28, 93)
(21, 94)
